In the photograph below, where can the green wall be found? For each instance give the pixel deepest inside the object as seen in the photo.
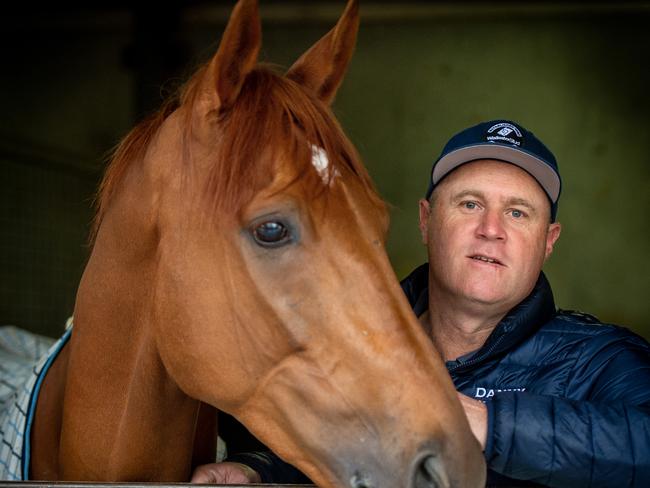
(576, 78)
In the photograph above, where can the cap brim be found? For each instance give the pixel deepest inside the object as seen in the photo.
(538, 169)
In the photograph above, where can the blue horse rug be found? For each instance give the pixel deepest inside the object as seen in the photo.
(24, 361)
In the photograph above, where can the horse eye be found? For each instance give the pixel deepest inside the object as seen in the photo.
(271, 234)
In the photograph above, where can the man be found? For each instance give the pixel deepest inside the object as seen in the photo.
(554, 397)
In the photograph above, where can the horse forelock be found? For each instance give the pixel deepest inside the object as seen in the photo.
(274, 119)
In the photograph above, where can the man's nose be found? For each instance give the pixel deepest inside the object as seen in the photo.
(491, 226)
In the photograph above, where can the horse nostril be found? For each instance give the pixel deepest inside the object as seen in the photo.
(359, 480)
(429, 474)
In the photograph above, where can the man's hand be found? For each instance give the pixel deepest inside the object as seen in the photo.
(225, 474)
(476, 413)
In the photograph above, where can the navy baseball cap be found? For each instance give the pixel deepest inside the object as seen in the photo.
(506, 141)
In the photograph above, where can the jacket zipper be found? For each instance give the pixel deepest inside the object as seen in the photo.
(480, 358)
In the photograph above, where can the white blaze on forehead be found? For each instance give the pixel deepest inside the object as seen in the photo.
(321, 162)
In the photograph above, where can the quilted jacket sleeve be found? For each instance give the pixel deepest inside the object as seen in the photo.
(602, 438)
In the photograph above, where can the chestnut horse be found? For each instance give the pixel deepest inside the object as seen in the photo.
(239, 264)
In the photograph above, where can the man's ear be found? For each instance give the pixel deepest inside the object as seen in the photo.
(425, 211)
(552, 236)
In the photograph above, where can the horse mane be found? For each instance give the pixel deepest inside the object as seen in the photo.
(272, 113)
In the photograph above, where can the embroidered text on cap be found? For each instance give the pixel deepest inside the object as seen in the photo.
(505, 132)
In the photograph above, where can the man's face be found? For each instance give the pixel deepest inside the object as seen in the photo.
(488, 234)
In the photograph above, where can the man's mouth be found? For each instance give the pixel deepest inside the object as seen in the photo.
(486, 259)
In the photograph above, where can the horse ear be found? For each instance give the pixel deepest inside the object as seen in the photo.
(236, 56)
(322, 67)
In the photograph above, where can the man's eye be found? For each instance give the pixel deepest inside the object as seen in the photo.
(517, 214)
(470, 205)
(271, 234)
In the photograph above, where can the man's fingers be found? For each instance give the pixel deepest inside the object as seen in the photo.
(225, 474)
(205, 474)
(476, 413)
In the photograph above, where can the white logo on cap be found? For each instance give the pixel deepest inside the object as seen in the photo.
(504, 134)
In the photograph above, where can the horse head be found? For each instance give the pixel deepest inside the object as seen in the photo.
(240, 252)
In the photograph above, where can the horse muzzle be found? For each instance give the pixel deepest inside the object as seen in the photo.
(427, 469)
(426, 472)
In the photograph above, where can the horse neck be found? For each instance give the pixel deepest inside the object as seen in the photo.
(122, 410)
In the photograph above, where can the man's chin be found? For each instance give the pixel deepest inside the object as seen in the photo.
(488, 297)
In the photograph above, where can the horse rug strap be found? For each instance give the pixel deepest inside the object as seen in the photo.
(24, 361)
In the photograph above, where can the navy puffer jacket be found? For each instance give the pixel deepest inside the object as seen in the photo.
(568, 397)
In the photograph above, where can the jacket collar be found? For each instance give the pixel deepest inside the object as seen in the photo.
(518, 324)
